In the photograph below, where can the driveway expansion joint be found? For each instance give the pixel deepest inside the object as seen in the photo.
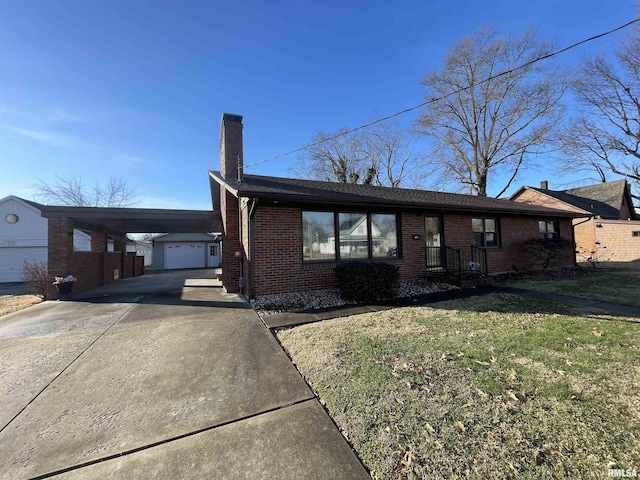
(59, 374)
(169, 440)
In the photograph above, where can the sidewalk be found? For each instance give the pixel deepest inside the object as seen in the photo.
(612, 308)
(290, 319)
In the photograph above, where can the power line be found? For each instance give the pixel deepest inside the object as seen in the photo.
(437, 99)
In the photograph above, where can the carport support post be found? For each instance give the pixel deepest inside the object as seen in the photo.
(60, 251)
(99, 240)
(120, 245)
(99, 243)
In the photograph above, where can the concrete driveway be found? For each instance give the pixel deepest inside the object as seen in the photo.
(160, 376)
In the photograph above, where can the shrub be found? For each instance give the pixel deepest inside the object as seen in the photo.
(367, 282)
(548, 251)
(36, 276)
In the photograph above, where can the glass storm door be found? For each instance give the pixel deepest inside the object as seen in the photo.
(433, 241)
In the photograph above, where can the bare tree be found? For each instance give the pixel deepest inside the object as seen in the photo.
(72, 192)
(489, 123)
(380, 154)
(606, 137)
(390, 151)
(338, 157)
(583, 153)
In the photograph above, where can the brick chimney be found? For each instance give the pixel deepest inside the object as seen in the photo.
(231, 160)
(544, 185)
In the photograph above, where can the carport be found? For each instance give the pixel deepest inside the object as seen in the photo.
(100, 267)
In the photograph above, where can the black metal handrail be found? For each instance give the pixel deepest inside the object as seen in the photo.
(463, 261)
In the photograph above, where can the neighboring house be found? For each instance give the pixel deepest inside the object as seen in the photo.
(142, 250)
(606, 226)
(23, 237)
(186, 250)
(287, 235)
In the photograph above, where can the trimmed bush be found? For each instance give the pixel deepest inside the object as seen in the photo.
(367, 282)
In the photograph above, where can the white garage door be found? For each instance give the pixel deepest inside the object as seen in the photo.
(12, 260)
(184, 255)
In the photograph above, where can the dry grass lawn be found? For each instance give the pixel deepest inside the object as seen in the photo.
(487, 387)
(17, 302)
(607, 285)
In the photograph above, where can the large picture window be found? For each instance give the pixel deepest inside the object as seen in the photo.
(318, 236)
(360, 236)
(384, 235)
(354, 235)
(485, 232)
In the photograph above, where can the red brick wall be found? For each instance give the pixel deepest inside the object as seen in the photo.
(230, 241)
(60, 250)
(230, 147)
(514, 231)
(414, 258)
(139, 270)
(129, 265)
(278, 265)
(278, 253)
(99, 240)
(112, 267)
(87, 268)
(91, 269)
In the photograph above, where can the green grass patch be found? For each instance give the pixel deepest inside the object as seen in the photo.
(615, 286)
(487, 387)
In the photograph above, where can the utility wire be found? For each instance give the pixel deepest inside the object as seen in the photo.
(437, 99)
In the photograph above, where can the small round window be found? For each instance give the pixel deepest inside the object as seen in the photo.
(11, 218)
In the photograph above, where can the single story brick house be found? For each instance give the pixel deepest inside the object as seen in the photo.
(287, 235)
(606, 227)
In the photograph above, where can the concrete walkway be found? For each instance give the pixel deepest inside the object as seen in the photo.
(161, 376)
(290, 319)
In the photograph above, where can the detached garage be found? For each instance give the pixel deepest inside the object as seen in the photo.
(186, 250)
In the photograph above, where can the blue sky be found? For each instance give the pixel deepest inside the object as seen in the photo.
(136, 89)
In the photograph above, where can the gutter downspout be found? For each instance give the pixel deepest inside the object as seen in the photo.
(241, 279)
(252, 213)
(573, 237)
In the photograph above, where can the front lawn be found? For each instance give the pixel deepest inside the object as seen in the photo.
(616, 286)
(14, 303)
(495, 386)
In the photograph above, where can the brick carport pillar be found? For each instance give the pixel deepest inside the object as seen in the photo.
(120, 245)
(99, 243)
(60, 251)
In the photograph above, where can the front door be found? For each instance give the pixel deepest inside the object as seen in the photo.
(433, 241)
(213, 259)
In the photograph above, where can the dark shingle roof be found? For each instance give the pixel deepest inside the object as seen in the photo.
(313, 191)
(603, 199)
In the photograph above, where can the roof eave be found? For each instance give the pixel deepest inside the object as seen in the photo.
(406, 205)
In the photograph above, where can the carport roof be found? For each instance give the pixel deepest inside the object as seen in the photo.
(138, 220)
